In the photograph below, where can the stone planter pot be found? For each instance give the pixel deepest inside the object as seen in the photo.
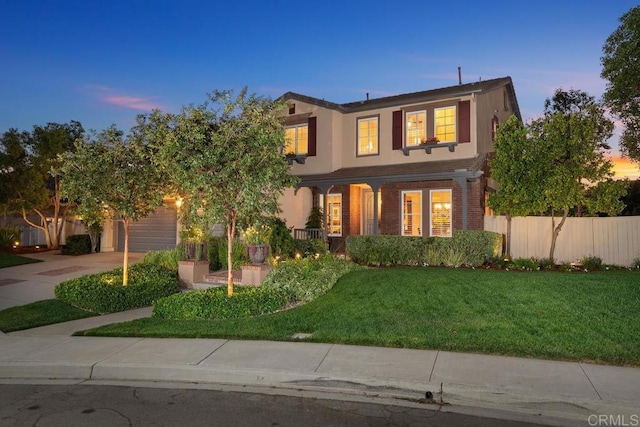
(258, 253)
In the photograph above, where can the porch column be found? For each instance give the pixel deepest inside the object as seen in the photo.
(325, 190)
(462, 182)
(375, 187)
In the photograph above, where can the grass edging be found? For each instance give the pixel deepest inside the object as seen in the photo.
(39, 313)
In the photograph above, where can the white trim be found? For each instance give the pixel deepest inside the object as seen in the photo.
(328, 216)
(443, 190)
(455, 117)
(296, 142)
(377, 136)
(402, 214)
(415, 142)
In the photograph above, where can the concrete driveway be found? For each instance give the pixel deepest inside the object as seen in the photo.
(28, 283)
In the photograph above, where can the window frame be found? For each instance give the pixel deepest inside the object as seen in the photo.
(406, 128)
(329, 215)
(431, 212)
(296, 150)
(455, 123)
(377, 141)
(403, 213)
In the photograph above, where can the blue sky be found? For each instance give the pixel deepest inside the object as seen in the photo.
(103, 62)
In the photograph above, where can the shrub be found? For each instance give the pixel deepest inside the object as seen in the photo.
(9, 235)
(315, 218)
(524, 264)
(386, 250)
(469, 247)
(636, 263)
(476, 246)
(104, 293)
(307, 278)
(77, 244)
(281, 241)
(168, 258)
(546, 264)
(217, 253)
(214, 303)
(592, 263)
(310, 247)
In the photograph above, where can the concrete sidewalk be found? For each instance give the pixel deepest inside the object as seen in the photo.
(543, 391)
(559, 393)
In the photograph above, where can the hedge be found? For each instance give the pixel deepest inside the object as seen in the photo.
(77, 244)
(307, 278)
(465, 247)
(104, 293)
(214, 303)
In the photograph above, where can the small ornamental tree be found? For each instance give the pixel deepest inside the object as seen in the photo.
(517, 169)
(225, 158)
(571, 139)
(116, 176)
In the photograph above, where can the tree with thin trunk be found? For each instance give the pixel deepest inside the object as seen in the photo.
(518, 171)
(29, 186)
(571, 139)
(225, 158)
(116, 177)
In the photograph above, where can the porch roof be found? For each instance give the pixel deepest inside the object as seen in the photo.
(469, 169)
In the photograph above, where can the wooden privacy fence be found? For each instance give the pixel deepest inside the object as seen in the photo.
(615, 240)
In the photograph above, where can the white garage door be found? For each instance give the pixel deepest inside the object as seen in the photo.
(153, 233)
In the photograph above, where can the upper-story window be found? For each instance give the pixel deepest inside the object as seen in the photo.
(416, 128)
(297, 139)
(367, 136)
(445, 124)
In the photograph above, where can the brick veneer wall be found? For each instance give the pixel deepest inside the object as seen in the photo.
(391, 204)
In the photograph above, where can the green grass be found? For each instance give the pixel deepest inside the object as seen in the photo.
(563, 316)
(10, 260)
(39, 313)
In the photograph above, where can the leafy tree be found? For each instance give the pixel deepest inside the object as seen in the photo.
(571, 139)
(517, 168)
(28, 184)
(621, 68)
(116, 176)
(225, 158)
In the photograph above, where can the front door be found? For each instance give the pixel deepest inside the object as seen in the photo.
(367, 211)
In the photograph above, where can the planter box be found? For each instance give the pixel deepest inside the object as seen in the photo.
(190, 272)
(253, 275)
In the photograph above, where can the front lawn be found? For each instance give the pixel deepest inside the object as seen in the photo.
(581, 316)
(9, 260)
(39, 313)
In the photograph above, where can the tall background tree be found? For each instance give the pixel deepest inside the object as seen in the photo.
(621, 68)
(114, 176)
(29, 186)
(225, 158)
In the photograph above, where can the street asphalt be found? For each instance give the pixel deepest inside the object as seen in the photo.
(542, 391)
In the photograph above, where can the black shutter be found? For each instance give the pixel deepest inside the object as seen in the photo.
(398, 125)
(464, 121)
(312, 136)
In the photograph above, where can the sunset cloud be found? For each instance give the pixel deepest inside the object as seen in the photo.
(623, 167)
(116, 98)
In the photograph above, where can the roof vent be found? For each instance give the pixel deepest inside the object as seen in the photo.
(459, 75)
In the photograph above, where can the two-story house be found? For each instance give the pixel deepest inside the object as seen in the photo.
(411, 165)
